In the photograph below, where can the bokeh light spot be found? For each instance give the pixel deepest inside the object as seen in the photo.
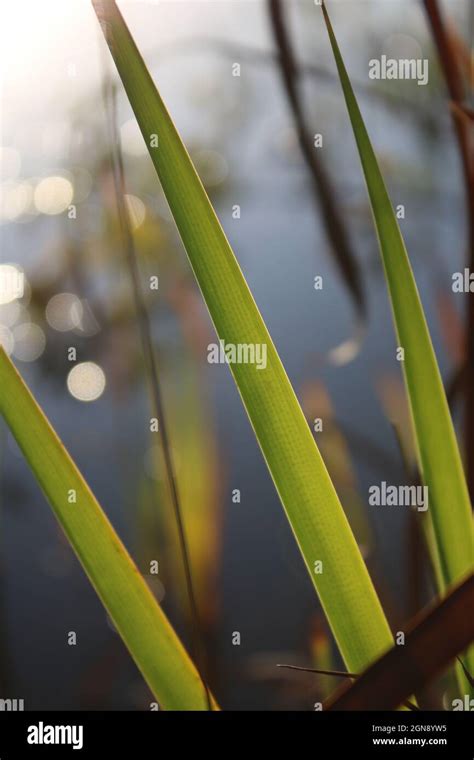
(12, 283)
(86, 381)
(132, 139)
(29, 342)
(6, 339)
(53, 195)
(64, 312)
(15, 200)
(211, 167)
(136, 210)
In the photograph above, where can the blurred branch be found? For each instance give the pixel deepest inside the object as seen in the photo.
(464, 135)
(324, 193)
(432, 641)
(462, 111)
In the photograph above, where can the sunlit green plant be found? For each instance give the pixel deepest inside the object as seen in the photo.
(314, 511)
(312, 506)
(439, 460)
(138, 618)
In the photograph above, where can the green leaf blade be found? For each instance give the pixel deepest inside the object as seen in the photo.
(439, 458)
(438, 455)
(300, 476)
(138, 618)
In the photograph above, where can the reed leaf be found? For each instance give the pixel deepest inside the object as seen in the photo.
(143, 626)
(438, 455)
(300, 476)
(437, 451)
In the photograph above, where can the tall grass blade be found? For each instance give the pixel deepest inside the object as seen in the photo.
(306, 491)
(437, 450)
(138, 618)
(438, 456)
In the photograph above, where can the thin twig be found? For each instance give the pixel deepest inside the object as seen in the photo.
(341, 674)
(152, 373)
